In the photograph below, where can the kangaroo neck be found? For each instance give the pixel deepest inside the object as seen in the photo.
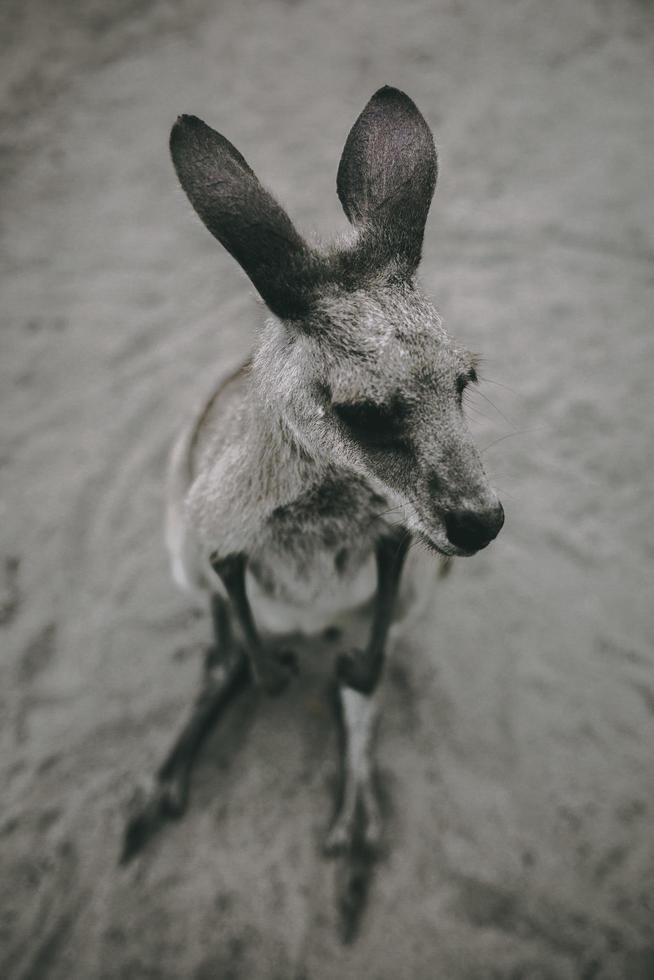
(280, 468)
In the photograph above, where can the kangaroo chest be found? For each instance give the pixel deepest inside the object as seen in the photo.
(315, 548)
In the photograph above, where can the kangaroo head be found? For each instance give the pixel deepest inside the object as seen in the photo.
(357, 362)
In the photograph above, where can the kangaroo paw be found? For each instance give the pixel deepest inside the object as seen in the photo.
(356, 670)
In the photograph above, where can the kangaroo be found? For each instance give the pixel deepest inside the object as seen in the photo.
(295, 493)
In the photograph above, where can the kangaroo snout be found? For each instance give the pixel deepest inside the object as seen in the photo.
(472, 530)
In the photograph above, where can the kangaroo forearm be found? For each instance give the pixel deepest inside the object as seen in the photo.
(362, 669)
(231, 571)
(271, 669)
(391, 552)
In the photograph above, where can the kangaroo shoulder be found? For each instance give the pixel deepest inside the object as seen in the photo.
(218, 418)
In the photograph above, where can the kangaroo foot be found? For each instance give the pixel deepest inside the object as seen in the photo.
(165, 797)
(358, 824)
(150, 808)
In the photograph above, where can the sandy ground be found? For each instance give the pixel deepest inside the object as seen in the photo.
(516, 762)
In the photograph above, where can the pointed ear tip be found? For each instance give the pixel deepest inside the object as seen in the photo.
(388, 92)
(185, 124)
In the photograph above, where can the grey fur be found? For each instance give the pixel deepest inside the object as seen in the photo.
(345, 429)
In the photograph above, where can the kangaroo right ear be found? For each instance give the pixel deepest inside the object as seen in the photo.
(386, 178)
(244, 217)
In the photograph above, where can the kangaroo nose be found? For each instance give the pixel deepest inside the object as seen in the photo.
(471, 530)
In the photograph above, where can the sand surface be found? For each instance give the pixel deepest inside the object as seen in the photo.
(515, 749)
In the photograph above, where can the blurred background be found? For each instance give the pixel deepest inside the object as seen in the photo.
(515, 747)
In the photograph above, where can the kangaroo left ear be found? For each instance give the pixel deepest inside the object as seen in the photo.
(244, 217)
(387, 176)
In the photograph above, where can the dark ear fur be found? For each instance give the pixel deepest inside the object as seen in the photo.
(244, 217)
(386, 178)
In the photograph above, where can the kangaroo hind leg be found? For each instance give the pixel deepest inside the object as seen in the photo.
(225, 673)
(358, 815)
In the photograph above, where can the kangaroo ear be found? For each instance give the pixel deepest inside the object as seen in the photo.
(244, 217)
(386, 177)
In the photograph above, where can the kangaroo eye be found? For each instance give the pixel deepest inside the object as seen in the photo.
(376, 425)
(364, 416)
